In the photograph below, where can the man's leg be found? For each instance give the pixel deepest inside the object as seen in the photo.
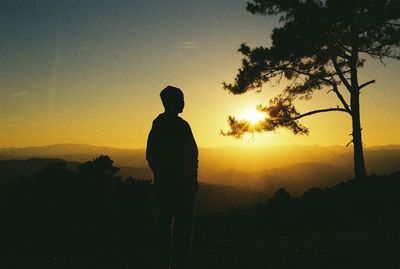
(165, 230)
(183, 231)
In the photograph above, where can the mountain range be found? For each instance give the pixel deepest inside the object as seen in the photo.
(295, 167)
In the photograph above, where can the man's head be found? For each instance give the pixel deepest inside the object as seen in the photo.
(172, 99)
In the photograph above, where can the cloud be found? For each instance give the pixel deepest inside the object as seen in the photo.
(20, 93)
(187, 44)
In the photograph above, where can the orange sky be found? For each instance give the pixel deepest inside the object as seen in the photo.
(79, 73)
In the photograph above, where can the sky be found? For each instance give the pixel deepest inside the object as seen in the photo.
(91, 71)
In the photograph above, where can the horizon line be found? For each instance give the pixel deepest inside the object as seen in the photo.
(207, 147)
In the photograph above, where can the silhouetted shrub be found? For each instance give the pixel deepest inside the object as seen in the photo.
(90, 210)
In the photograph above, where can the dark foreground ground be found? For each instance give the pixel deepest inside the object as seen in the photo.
(90, 218)
(358, 249)
(367, 248)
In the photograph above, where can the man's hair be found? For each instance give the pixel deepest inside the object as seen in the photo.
(170, 95)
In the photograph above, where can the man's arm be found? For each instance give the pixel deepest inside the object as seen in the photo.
(151, 154)
(193, 155)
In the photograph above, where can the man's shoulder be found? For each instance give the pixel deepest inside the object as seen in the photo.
(183, 121)
(158, 119)
(164, 119)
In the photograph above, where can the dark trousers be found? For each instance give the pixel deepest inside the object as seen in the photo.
(176, 228)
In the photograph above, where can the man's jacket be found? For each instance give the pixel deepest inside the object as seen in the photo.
(172, 154)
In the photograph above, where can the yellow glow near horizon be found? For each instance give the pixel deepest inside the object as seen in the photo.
(252, 115)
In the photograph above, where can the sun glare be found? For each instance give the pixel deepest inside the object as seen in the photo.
(253, 116)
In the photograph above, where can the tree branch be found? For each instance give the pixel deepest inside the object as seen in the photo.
(340, 96)
(308, 74)
(346, 49)
(319, 111)
(340, 74)
(366, 84)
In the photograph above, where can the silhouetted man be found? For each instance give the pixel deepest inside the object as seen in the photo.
(172, 155)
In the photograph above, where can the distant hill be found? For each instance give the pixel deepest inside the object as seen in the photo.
(135, 172)
(211, 159)
(382, 160)
(258, 159)
(10, 170)
(253, 159)
(293, 166)
(77, 152)
(295, 178)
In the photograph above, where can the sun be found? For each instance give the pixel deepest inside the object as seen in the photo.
(253, 116)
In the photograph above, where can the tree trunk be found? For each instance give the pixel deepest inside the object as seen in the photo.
(359, 164)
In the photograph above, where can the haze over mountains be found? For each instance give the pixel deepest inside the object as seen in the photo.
(294, 167)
